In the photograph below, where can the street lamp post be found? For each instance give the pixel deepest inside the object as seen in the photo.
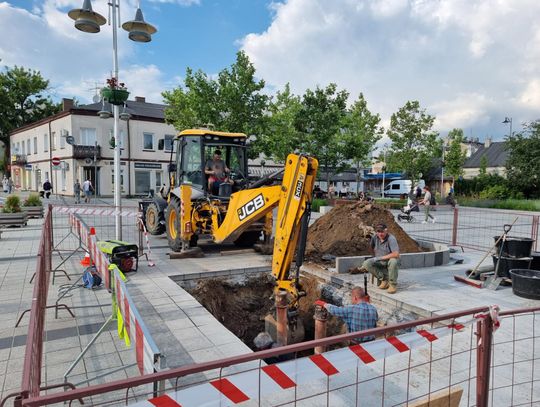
(508, 120)
(89, 21)
(384, 171)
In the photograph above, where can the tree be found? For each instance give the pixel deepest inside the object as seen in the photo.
(522, 165)
(482, 171)
(233, 102)
(361, 131)
(455, 157)
(22, 102)
(281, 136)
(319, 121)
(414, 144)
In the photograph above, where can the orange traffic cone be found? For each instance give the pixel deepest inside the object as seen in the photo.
(87, 261)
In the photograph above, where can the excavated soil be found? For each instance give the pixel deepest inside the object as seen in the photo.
(347, 229)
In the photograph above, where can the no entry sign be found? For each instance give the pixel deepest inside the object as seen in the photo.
(55, 161)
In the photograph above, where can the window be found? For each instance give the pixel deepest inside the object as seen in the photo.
(142, 182)
(35, 145)
(168, 142)
(53, 141)
(23, 151)
(45, 142)
(159, 178)
(28, 147)
(148, 141)
(18, 149)
(120, 138)
(88, 136)
(63, 136)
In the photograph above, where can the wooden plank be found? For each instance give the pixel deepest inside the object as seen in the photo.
(443, 398)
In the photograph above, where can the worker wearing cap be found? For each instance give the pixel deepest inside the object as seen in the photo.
(384, 266)
(359, 316)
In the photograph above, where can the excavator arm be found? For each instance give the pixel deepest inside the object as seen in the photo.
(293, 199)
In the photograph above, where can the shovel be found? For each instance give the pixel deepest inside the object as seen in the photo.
(492, 283)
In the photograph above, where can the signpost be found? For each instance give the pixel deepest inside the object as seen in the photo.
(55, 161)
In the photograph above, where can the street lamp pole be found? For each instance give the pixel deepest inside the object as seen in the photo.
(384, 171)
(508, 120)
(117, 187)
(139, 30)
(442, 172)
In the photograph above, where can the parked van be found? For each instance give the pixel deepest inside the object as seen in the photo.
(400, 187)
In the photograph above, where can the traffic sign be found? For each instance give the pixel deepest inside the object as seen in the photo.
(55, 161)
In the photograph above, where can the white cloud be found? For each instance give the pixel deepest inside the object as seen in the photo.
(73, 61)
(469, 62)
(185, 3)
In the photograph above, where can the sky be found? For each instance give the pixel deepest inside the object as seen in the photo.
(470, 63)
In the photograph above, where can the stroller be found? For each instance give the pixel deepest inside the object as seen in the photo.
(405, 214)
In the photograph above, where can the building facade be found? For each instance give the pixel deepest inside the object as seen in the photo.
(144, 137)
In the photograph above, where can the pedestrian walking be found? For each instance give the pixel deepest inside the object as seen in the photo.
(47, 188)
(77, 191)
(427, 202)
(10, 185)
(5, 186)
(87, 189)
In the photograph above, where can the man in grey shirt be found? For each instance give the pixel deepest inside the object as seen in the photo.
(384, 266)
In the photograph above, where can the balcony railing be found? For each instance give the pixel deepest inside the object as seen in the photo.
(19, 159)
(81, 151)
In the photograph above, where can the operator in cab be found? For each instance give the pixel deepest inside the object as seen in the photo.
(217, 172)
(384, 266)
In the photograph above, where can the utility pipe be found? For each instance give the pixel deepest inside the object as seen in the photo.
(320, 316)
(281, 318)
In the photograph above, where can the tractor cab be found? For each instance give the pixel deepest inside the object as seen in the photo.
(214, 163)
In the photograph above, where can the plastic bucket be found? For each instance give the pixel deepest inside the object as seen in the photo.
(526, 283)
(509, 263)
(515, 246)
(535, 263)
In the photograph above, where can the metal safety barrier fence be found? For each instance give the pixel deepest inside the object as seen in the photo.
(79, 238)
(473, 228)
(459, 368)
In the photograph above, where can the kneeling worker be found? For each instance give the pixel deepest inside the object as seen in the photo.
(384, 266)
(359, 316)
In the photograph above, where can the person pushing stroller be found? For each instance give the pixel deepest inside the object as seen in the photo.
(405, 214)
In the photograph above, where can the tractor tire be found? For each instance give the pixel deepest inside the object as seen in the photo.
(154, 220)
(172, 225)
(248, 239)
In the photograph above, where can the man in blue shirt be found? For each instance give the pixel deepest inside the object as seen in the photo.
(384, 266)
(359, 316)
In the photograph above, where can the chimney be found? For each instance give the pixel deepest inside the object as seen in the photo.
(67, 104)
(141, 99)
(487, 142)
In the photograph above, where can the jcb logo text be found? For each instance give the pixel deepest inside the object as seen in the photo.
(251, 207)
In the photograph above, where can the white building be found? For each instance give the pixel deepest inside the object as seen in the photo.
(145, 140)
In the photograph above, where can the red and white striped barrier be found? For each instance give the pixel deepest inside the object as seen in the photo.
(250, 385)
(133, 329)
(148, 256)
(131, 326)
(96, 211)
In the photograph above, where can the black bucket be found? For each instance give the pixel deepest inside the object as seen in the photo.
(515, 246)
(535, 263)
(509, 263)
(526, 283)
(225, 189)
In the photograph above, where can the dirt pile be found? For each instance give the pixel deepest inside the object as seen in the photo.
(347, 229)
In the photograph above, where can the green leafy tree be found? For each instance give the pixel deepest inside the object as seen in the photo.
(22, 101)
(522, 165)
(414, 144)
(482, 171)
(361, 130)
(232, 102)
(455, 157)
(319, 121)
(281, 136)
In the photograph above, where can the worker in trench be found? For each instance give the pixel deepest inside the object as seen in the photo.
(358, 316)
(384, 265)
